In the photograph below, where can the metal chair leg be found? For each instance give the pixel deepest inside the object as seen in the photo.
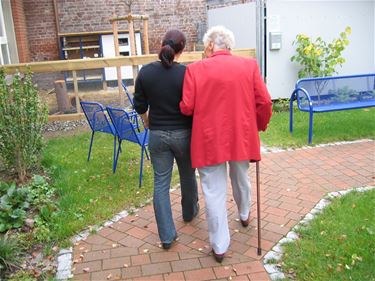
(141, 168)
(116, 158)
(91, 141)
(258, 209)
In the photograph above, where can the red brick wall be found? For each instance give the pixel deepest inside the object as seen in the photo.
(20, 31)
(41, 29)
(92, 15)
(39, 41)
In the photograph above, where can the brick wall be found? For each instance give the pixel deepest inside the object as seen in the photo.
(35, 23)
(41, 30)
(88, 15)
(20, 31)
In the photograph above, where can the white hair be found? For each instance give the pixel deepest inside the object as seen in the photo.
(221, 36)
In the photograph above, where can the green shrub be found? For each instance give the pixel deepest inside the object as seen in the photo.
(13, 205)
(22, 116)
(38, 199)
(9, 251)
(318, 58)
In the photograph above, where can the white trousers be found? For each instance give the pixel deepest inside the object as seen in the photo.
(214, 186)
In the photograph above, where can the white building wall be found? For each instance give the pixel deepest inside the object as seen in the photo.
(319, 18)
(241, 19)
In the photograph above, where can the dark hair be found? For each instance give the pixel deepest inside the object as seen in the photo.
(174, 42)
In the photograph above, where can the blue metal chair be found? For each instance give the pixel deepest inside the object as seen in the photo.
(127, 130)
(98, 121)
(136, 117)
(127, 93)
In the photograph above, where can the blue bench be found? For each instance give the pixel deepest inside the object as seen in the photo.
(324, 94)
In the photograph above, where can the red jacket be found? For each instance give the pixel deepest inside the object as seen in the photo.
(230, 104)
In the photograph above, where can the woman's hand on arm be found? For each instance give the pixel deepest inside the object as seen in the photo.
(144, 117)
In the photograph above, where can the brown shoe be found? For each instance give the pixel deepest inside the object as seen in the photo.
(218, 257)
(245, 223)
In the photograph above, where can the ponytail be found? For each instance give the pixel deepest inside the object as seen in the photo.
(173, 43)
(166, 55)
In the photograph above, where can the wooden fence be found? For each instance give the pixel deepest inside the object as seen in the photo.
(98, 63)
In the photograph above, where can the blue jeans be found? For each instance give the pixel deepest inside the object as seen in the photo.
(164, 147)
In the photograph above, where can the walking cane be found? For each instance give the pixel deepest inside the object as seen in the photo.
(258, 207)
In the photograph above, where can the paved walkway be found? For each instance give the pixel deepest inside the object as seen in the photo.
(292, 183)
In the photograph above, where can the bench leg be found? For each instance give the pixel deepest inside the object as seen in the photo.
(310, 127)
(291, 116)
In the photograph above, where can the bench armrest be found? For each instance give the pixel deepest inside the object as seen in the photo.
(297, 96)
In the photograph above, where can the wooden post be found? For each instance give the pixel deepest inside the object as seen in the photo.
(145, 36)
(118, 68)
(133, 51)
(75, 83)
(61, 96)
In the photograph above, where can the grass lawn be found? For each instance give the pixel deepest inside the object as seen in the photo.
(89, 192)
(328, 127)
(339, 244)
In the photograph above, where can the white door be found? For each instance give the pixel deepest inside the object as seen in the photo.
(4, 50)
(108, 46)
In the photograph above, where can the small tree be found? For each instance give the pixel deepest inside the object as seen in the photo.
(318, 58)
(22, 116)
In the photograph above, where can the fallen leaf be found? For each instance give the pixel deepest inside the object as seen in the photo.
(109, 276)
(234, 270)
(126, 265)
(86, 269)
(145, 251)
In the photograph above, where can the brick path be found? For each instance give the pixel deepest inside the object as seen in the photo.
(292, 183)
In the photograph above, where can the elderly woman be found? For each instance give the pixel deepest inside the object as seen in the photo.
(158, 91)
(230, 104)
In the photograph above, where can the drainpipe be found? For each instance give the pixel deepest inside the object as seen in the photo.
(260, 36)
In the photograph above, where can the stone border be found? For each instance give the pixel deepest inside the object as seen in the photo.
(278, 149)
(276, 253)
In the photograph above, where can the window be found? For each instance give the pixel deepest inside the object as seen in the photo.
(4, 49)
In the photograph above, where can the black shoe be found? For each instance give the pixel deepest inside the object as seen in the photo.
(167, 246)
(195, 214)
(218, 257)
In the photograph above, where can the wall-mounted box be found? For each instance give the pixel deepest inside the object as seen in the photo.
(275, 41)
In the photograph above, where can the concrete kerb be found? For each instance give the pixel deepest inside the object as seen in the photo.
(272, 258)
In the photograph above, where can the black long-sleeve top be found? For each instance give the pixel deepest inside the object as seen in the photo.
(159, 89)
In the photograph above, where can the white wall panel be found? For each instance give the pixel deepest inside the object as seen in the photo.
(320, 18)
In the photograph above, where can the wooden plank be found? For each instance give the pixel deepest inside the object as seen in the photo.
(66, 117)
(75, 83)
(129, 18)
(145, 37)
(93, 32)
(97, 63)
